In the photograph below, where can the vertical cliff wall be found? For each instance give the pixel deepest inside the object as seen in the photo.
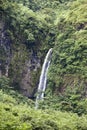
(17, 62)
(5, 47)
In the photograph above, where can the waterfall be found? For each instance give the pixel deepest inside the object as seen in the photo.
(43, 78)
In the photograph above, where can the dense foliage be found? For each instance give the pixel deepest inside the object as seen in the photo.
(35, 26)
(16, 113)
(68, 71)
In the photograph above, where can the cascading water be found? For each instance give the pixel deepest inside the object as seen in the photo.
(43, 78)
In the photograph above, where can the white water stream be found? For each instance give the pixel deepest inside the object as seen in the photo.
(43, 78)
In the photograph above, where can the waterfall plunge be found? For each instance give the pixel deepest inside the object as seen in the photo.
(43, 78)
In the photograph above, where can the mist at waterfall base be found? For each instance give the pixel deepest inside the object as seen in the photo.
(43, 78)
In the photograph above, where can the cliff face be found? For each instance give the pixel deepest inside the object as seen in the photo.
(30, 76)
(18, 63)
(5, 48)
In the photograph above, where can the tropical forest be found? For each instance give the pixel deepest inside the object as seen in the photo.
(43, 64)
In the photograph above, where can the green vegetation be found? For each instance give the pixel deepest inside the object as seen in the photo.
(18, 115)
(68, 70)
(34, 26)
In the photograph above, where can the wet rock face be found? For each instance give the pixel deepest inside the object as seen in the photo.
(5, 49)
(28, 87)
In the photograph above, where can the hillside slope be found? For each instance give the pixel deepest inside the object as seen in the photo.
(18, 115)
